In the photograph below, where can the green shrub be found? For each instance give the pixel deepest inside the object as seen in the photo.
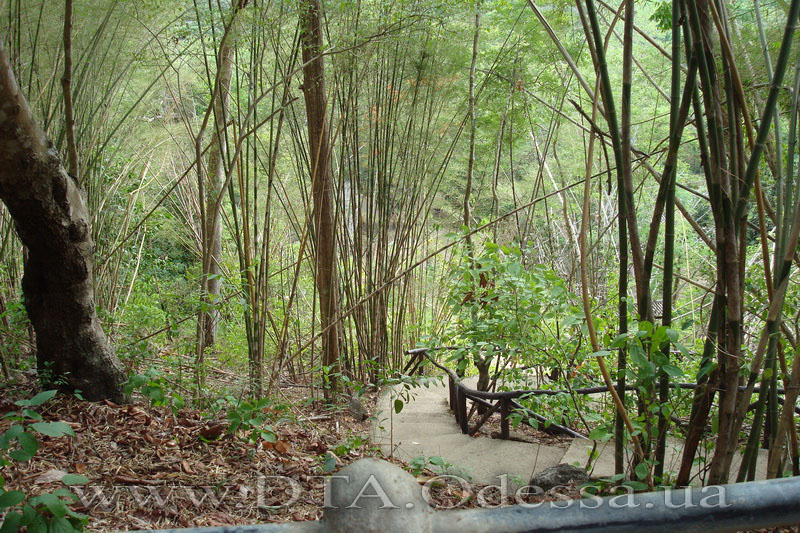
(49, 511)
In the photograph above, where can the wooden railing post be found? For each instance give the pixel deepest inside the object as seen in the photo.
(504, 418)
(452, 390)
(461, 410)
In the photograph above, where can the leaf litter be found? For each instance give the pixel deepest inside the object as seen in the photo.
(152, 468)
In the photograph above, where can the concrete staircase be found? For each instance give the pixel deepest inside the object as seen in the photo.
(425, 427)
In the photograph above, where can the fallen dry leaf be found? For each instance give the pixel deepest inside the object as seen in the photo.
(51, 476)
(213, 431)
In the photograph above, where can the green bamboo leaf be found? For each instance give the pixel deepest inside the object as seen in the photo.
(33, 415)
(330, 463)
(53, 429)
(28, 443)
(53, 503)
(60, 525)
(635, 485)
(11, 498)
(39, 399)
(11, 523)
(600, 433)
(672, 370)
(642, 470)
(74, 479)
(20, 456)
(10, 434)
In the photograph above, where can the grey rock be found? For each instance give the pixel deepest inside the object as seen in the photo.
(559, 475)
(357, 409)
(371, 495)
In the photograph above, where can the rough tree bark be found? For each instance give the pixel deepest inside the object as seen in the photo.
(326, 277)
(52, 221)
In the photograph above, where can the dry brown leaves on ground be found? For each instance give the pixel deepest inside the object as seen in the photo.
(149, 468)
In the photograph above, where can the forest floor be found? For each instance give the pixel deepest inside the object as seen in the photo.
(152, 468)
(155, 468)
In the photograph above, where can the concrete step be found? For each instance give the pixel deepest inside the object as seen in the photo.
(483, 460)
(425, 428)
(432, 427)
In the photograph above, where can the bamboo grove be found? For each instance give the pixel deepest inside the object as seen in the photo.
(298, 192)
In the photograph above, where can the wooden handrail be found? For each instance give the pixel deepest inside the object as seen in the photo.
(459, 392)
(553, 392)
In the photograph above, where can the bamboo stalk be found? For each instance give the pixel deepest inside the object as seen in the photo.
(676, 123)
(769, 108)
(472, 128)
(66, 84)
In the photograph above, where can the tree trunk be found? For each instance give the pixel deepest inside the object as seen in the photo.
(212, 247)
(472, 128)
(52, 221)
(484, 379)
(326, 277)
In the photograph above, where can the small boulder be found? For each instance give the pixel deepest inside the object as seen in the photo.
(559, 475)
(357, 409)
(375, 496)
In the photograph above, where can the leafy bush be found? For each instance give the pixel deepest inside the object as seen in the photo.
(503, 308)
(418, 464)
(48, 511)
(154, 386)
(252, 417)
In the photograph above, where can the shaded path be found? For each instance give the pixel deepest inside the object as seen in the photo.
(425, 427)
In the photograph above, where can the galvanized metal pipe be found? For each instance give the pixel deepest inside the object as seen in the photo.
(736, 507)
(753, 505)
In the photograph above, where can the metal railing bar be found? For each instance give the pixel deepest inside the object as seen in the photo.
(735, 507)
